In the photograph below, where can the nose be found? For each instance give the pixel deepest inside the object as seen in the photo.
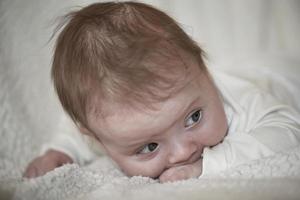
(181, 151)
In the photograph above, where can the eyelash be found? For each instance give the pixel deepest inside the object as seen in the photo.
(194, 121)
(140, 152)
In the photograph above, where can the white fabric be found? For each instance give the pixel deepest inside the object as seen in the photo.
(67, 139)
(259, 124)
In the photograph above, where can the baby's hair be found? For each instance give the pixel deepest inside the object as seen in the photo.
(127, 52)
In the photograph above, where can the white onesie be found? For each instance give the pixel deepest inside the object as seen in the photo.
(261, 121)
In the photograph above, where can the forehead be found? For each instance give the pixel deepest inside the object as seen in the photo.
(126, 122)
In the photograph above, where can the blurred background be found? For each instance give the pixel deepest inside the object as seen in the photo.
(233, 33)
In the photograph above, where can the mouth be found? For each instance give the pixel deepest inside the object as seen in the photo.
(196, 157)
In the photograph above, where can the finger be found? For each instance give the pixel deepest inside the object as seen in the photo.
(170, 175)
(41, 171)
(181, 172)
(31, 172)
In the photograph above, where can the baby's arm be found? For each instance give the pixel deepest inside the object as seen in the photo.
(67, 146)
(46, 162)
(266, 128)
(182, 172)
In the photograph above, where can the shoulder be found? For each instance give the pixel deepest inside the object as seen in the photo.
(239, 92)
(245, 90)
(250, 102)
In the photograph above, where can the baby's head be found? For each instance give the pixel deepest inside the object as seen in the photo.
(129, 75)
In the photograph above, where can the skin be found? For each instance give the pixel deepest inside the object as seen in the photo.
(166, 142)
(45, 163)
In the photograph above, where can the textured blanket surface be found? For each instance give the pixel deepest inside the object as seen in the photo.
(276, 177)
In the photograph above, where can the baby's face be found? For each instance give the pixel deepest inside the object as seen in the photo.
(149, 142)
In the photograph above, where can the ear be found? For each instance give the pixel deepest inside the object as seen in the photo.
(85, 131)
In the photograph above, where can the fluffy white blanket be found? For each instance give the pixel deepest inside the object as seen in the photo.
(276, 177)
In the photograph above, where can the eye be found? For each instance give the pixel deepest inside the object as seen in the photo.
(193, 119)
(149, 148)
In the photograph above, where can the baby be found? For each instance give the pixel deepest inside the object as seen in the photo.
(130, 78)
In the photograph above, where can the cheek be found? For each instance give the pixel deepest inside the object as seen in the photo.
(214, 128)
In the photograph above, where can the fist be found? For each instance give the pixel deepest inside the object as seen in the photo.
(182, 172)
(45, 163)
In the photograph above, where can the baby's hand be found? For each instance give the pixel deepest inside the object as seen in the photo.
(45, 163)
(182, 172)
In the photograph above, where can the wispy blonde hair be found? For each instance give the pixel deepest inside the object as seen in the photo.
(122, 51)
